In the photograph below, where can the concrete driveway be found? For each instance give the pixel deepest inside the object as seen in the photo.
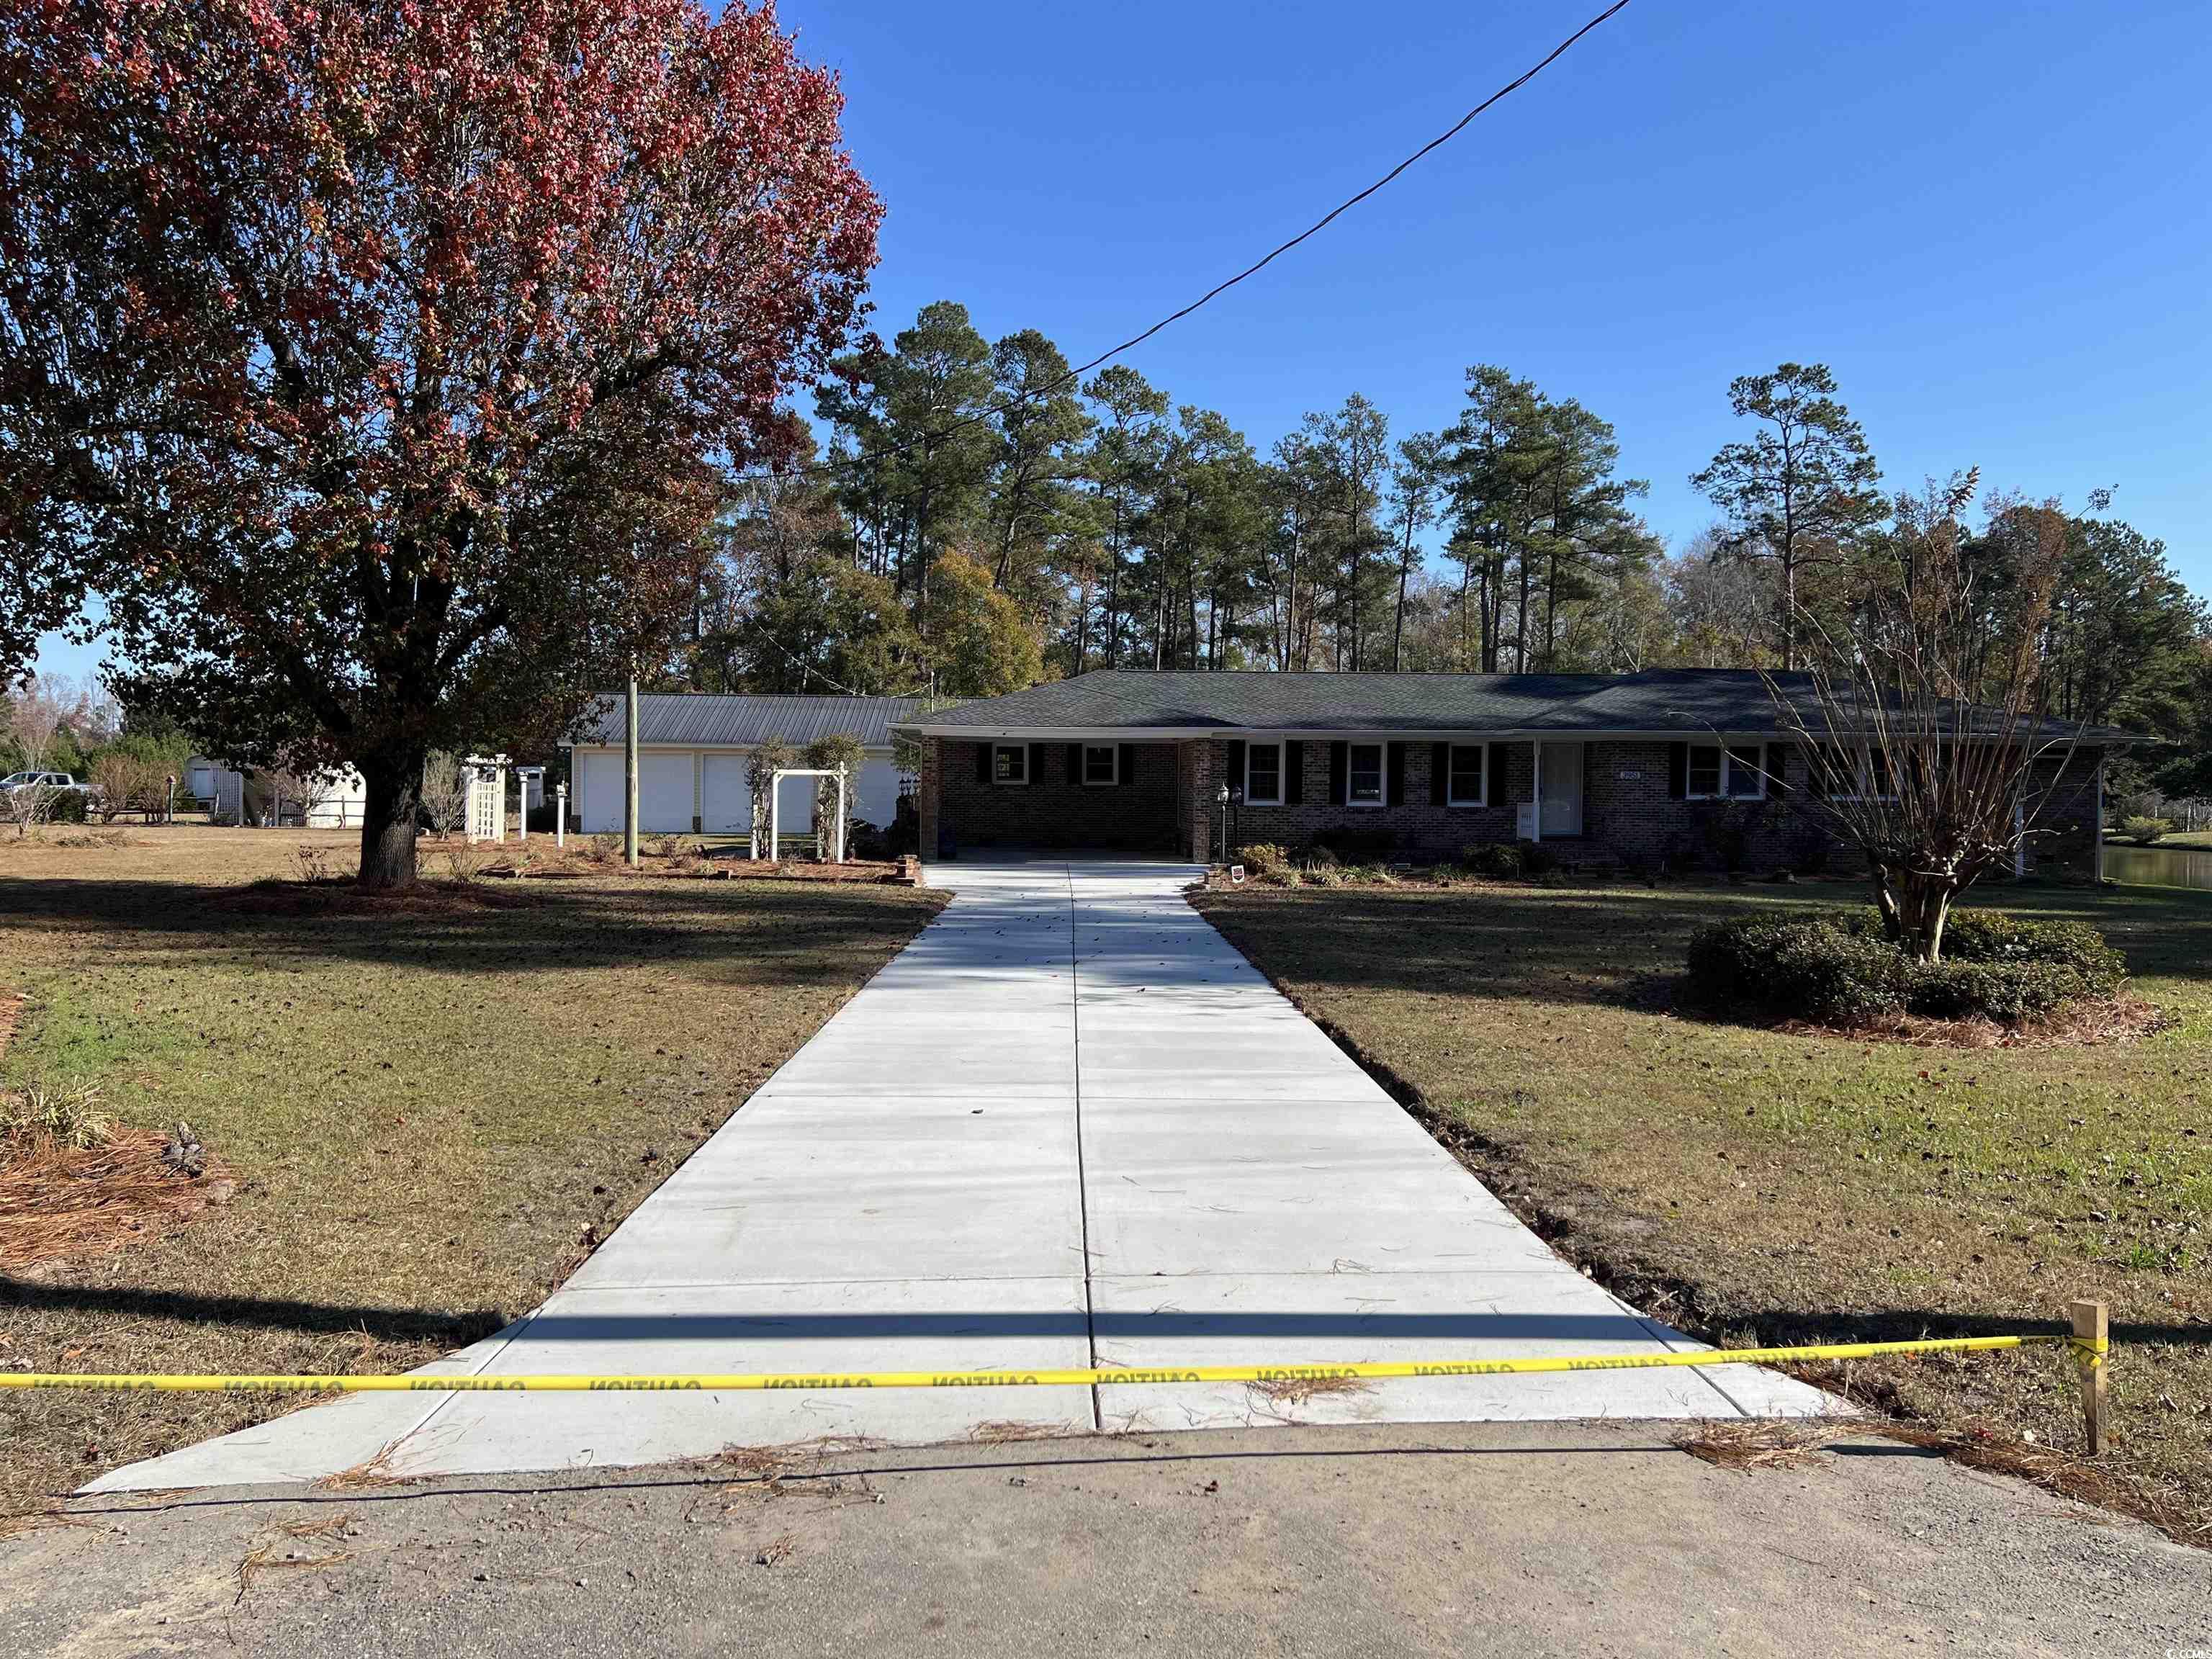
(1069, 1125)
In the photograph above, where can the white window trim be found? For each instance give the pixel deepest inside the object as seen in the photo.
(1113, 768)
(1250, 799)
(1021, 782)
(1861, 779)
(1382, 776)
(1689, 764)
(1481, 771)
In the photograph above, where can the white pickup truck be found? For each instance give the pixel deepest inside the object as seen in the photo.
(61, 783)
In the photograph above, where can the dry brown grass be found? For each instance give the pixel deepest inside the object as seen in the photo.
(1002, 1431)
(264, 1555)
(1296, 1390)
(425, 1103)
(1761, 1188)
(372, 1474)
(1745, 1445)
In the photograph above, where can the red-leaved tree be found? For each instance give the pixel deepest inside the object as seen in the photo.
(378, 363)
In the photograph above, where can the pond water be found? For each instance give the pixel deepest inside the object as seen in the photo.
(2159, 866)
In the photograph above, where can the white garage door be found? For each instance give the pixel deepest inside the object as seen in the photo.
(725, 804)
(599, 792)
(663, 792)
(879, 792)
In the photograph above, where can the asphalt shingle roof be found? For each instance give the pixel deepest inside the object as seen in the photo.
(1676, 700)
(712, 720)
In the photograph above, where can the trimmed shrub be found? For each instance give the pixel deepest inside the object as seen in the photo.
(1501, 858)
(1799, 966)
(2007, 992)
(1992, 936)
(1263, 858)
(1268, 862)
(1538, 859)
(1838, 967)
(2144, 830)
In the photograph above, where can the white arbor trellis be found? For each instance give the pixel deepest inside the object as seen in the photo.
(836, 851)
(483, 815)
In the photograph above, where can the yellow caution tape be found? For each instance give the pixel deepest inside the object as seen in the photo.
(420, 1382)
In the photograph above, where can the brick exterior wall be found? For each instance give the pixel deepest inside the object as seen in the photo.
(1629, 815)
(1053, 809)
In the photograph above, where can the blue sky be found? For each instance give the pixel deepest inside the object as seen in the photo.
(1990, 220)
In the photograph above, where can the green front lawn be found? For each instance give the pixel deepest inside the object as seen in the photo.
(1762, 1188)
(431, 1112)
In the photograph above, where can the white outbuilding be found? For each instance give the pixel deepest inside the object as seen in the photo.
(693, 748)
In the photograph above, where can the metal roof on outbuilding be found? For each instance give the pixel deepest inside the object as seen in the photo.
(715, 720)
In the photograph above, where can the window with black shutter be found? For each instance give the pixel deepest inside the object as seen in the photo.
(1463, 775)
(1363, 774)
(1263, 775)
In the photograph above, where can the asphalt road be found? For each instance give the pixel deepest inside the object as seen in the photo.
(1526, 1539)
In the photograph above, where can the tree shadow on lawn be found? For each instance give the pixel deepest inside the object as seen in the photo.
(755, 934)
(1621, 948)
(450, 1328)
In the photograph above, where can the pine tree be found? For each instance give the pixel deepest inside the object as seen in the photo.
(1801, 492)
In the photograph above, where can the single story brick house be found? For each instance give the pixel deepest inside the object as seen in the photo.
(693, 750)
(1684, 766)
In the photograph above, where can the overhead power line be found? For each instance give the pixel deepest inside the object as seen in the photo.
(821, 469)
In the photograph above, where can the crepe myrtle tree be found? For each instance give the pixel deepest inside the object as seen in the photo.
(378, 366)
(1927, 729)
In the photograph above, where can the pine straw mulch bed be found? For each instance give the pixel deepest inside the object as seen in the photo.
(2123, 1018)
(59, 1202)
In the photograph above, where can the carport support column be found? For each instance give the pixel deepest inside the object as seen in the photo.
(928, 798)
(1199, 767)
(1536, 789)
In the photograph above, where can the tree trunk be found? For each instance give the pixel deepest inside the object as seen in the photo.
(1915, 909)
(392, 797)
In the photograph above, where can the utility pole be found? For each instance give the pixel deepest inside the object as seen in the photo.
(629, 774)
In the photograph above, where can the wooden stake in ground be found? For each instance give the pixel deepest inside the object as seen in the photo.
(2093, 1325)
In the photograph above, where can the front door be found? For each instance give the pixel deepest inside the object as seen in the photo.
(1562, 791)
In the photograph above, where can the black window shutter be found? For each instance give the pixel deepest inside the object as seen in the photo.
(1439, 774)
(1075, 763)
(1393, 762)
(1128, 767)
(1294, 773)
(1235, 778)
(1678, 771)
(1339, 773)
(982, 763)
(1037, 763)
(1778, 769)
(1493, 775)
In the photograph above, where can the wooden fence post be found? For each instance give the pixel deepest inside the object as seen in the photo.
(2092, 1337)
